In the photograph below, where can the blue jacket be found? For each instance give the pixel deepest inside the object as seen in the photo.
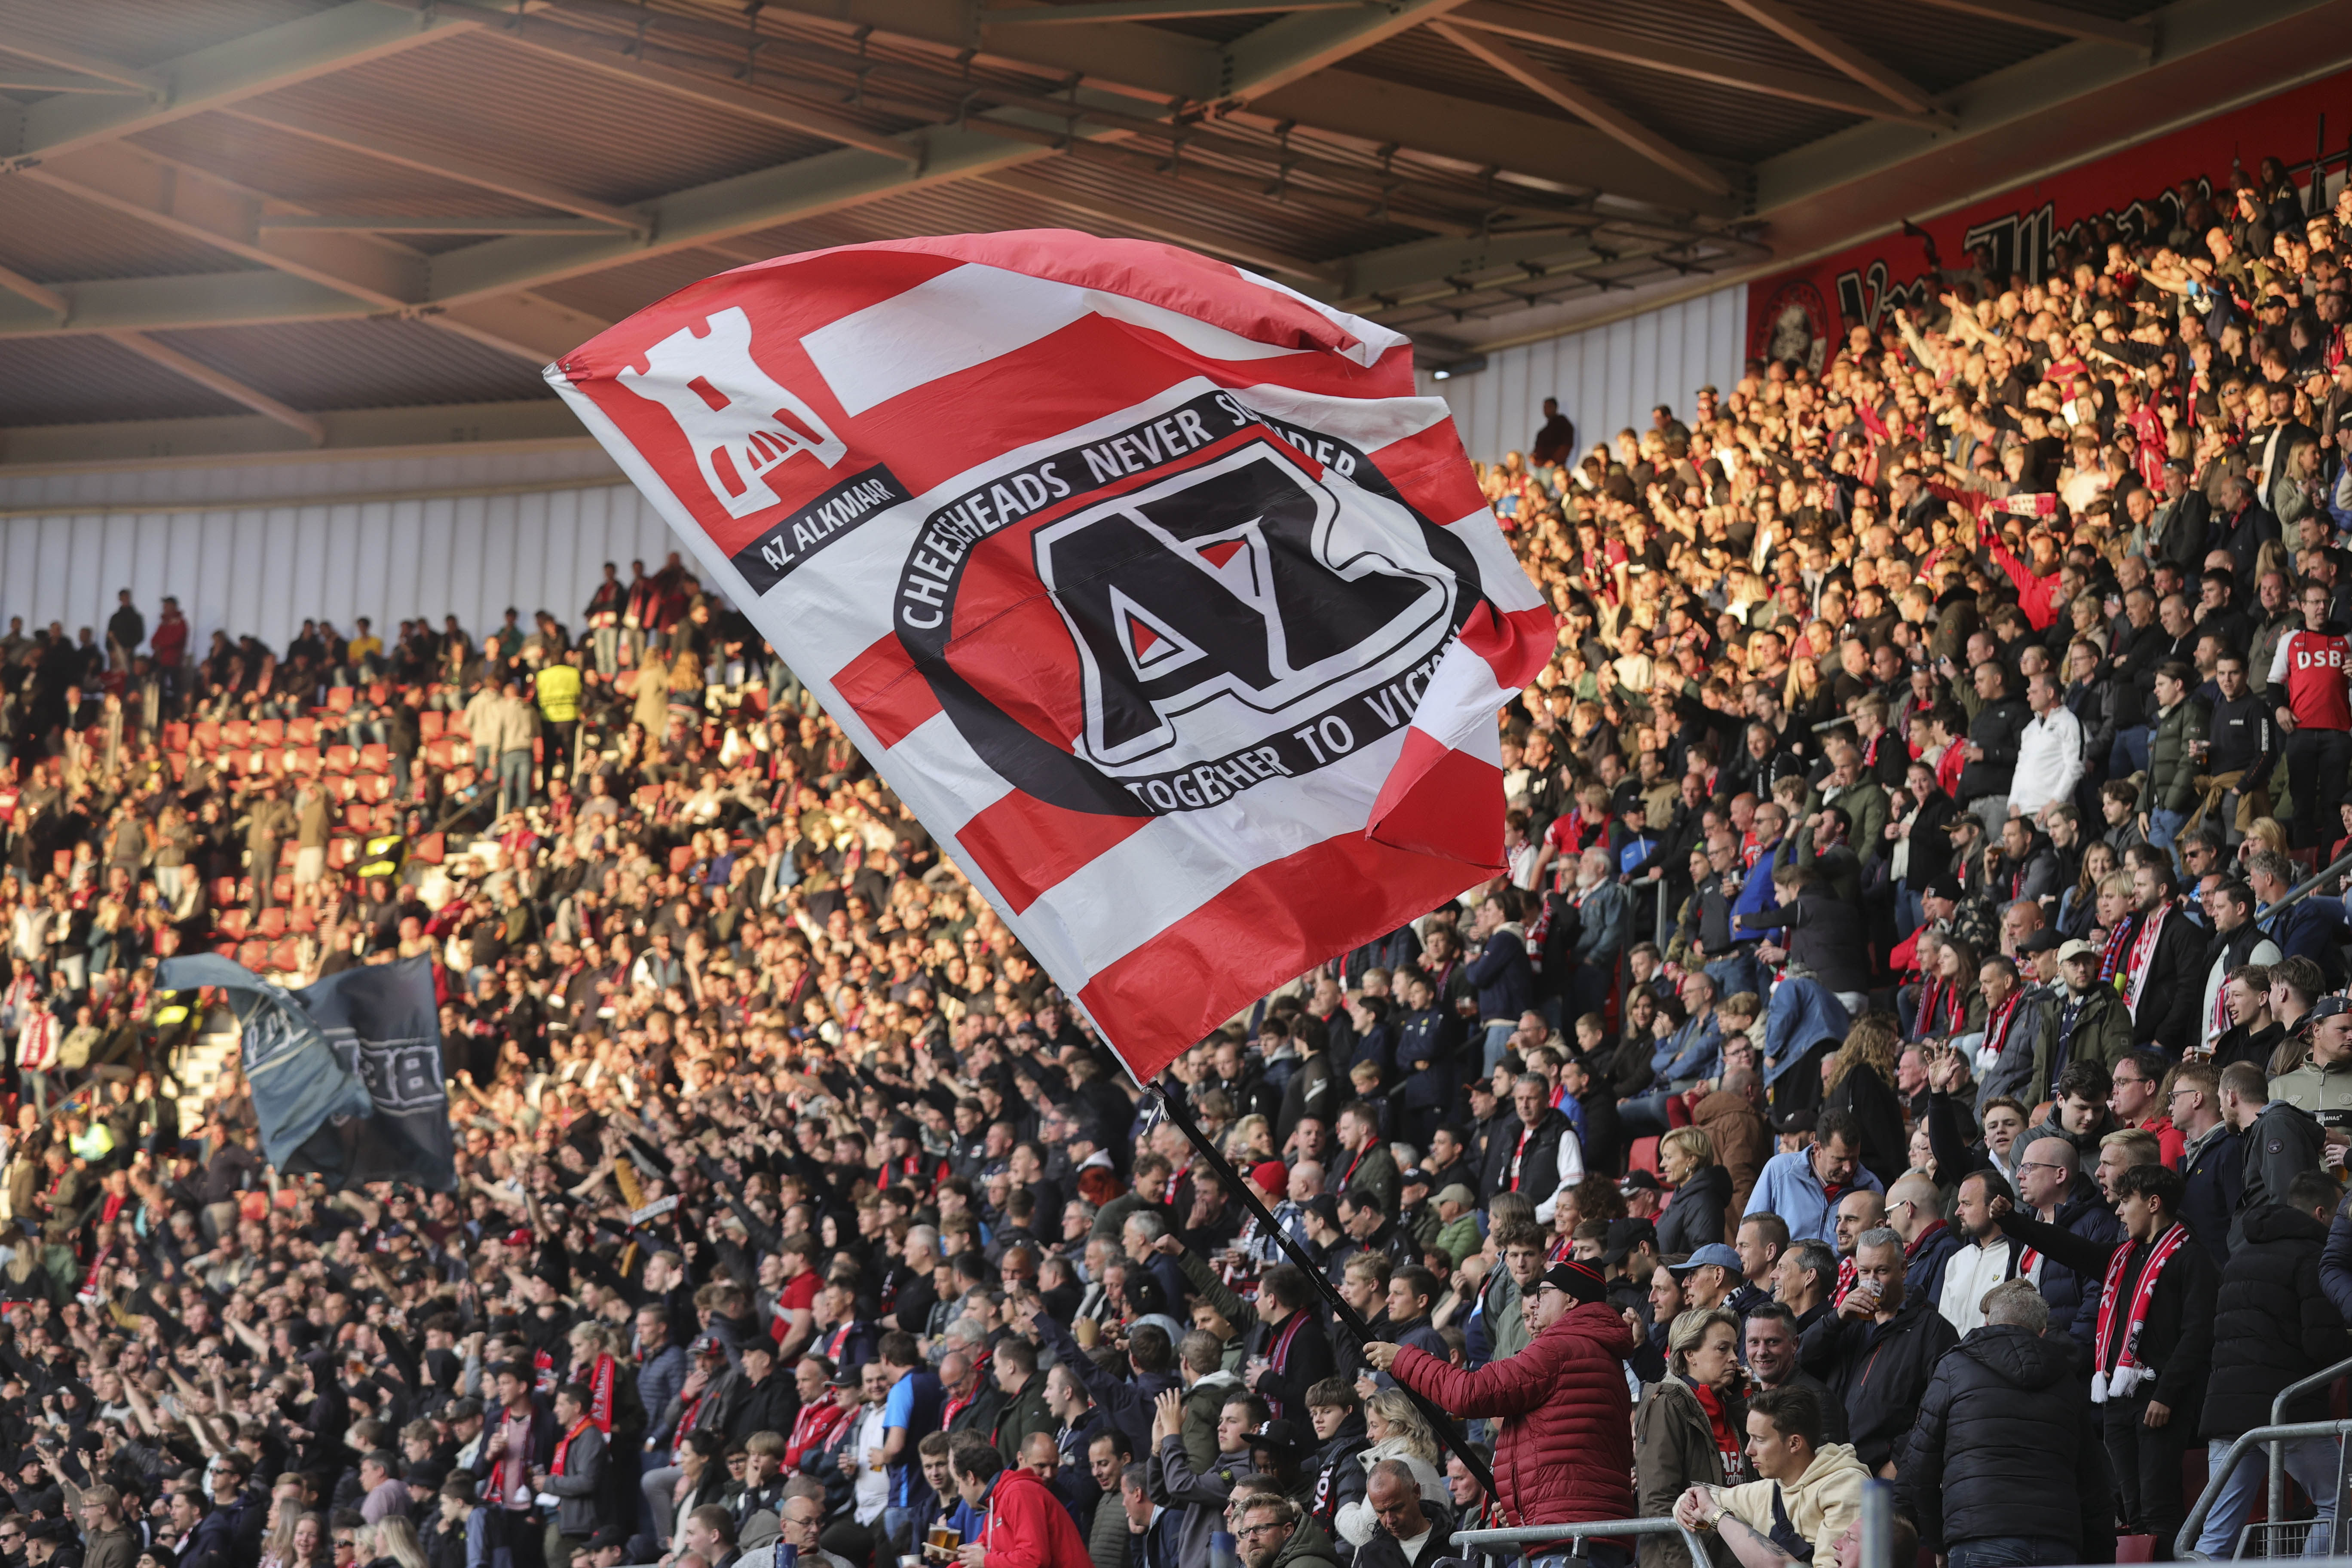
(2335, 1266)
(2073, 1300)
(1788, 1187)
(1801, 1015)
(1695, 1050)
(1505, 979)
(1606, 913)
(1756, 893)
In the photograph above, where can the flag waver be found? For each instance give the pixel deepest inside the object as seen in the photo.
(1148, 583)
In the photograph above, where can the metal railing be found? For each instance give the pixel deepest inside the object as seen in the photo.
(1546, 1534)
(2277, 1493)
(2185, 1544)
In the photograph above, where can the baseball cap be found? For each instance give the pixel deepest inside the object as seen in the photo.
(1456, 1193)
(708, 1345)
(1799, 1121)
(1942, 888)
(2328, 1006)
(1579, 1279)
(1639, 1182)
(1278, 1434)
(2041, 941)
(2078, 948)
(1624, 1234)
(1714, 1253)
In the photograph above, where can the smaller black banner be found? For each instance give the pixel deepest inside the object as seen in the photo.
(777, 553)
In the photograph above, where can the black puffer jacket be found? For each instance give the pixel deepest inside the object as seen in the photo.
(1694, 1216)
(2006, 1445)
(2273, 1325)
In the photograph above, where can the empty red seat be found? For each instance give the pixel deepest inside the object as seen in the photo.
(375, 757)
(207, 734)
(429, 723)
(302, 732)
(430, 848)
(341, 758)
(356, 818)
(237, 733)
(339, 699)
(224, 892)
(287, 956)
(271, 923)
(230, 923)
(175, 736)
(271, 732)
(253, 955)
(303, 920)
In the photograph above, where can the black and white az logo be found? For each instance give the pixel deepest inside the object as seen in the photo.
(1234, 614)
(1223, 598)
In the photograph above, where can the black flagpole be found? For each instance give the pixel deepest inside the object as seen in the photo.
(1439, 1421)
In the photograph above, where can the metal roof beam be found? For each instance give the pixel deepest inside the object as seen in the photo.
(40, 294)
(1159, 225)
(27, 43)
(228, 386)
(1733, 71)
(1835, 52)
(1575, 157)
(1589, 107)
(228, 73)
(442, 160)
(255, 297)
(1148, 10)
(354, 274)
(614, 57)
(378, 224)
(1282, 51)
(846, 177)
(18, 78)
(2063, 20)
(197, 206)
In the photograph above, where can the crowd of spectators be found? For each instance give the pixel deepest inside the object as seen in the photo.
(1881, 1055)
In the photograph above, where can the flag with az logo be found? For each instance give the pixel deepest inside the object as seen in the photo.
(1148, 584)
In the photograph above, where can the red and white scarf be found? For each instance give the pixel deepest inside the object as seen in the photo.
(2143, 955)
(600, 1395)
(2128, 1373)
(1996, 1035)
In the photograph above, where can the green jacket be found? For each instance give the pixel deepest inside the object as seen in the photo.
(2103, 1032)
(1026, 1413)
(1461, 1238)
(2171, 781)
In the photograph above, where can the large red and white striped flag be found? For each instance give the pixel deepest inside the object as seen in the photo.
(1148, 583)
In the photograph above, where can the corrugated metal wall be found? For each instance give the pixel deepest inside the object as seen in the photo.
(523, 536)
(258, 547)
(1606, 379)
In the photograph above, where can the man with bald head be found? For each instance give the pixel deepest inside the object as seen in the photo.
(2051, 1183)
(1407, 1531)
(1915, 1211)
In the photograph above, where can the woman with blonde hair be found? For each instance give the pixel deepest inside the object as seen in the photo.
(1861, 1076)
(1397, 1432)
(1691, 1428)
(397, 1542)
(1702, 1190)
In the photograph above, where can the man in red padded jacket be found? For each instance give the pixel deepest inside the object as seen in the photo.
(1565, 1452)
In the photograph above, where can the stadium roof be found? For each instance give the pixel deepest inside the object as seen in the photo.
(250, 226)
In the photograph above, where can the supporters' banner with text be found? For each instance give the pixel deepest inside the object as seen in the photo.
(346, 1074)
(1148, 583)
(1805, 314)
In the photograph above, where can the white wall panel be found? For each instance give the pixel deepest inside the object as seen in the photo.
(212, 536)
(1606, 378)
